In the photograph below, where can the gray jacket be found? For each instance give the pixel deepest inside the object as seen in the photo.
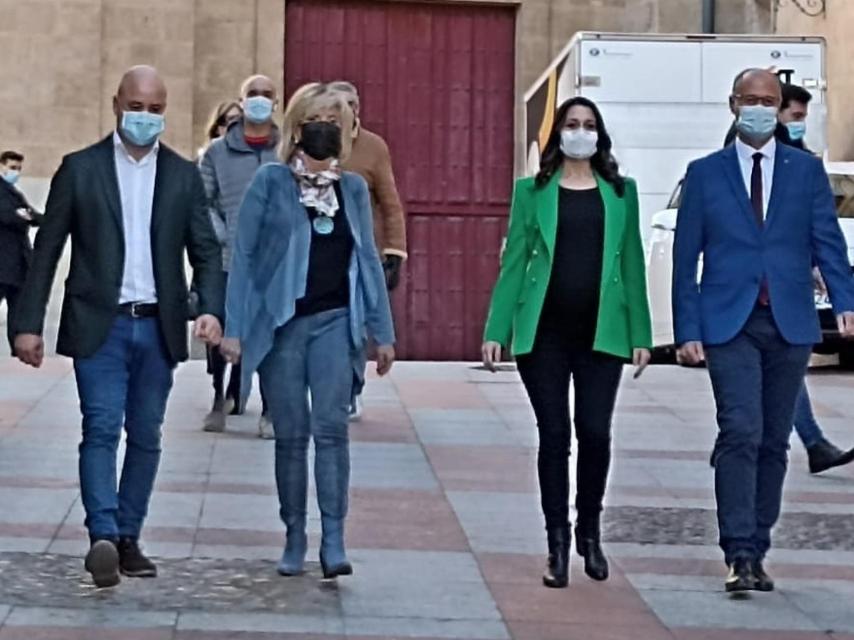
(227, 168)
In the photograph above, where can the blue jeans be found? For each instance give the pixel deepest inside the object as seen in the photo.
(125, 383)
(805, 423)
(756, 378)
(311, 354)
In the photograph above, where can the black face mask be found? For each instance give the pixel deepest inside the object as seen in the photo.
(321, 140)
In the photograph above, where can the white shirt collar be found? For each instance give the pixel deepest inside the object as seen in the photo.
(746, 152)
(120, 147)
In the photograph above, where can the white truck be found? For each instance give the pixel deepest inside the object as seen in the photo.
(664, 99)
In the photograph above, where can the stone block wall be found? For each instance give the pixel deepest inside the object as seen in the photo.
(835, 24)
(61, 59)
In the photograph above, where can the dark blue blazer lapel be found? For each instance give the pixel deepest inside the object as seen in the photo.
(783, 164)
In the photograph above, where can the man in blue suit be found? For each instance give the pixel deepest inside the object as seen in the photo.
(760, 213)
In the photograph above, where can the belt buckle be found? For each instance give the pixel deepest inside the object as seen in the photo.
(133, 310)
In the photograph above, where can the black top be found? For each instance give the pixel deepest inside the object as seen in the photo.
(327, 286)
(572, 299)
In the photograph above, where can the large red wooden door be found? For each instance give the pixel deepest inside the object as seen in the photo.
(437, 82)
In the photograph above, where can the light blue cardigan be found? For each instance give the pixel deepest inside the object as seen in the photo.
(269, 266)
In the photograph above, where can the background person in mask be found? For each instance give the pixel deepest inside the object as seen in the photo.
(761, 214)
(793, 114)
(571, 304)
(16, 218)
(227, 167)
(791, 129)
(132, 208)
(370, 158)
(306, 284)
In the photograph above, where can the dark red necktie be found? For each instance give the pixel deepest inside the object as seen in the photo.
(756, 200)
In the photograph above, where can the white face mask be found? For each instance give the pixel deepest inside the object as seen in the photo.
(578, 144)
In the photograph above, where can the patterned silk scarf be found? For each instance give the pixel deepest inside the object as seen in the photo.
(316, 189)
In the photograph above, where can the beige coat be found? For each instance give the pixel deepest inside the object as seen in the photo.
(370, 159)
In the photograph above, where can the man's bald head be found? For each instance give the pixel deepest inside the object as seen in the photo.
(141, 77)
(258, 85)
(141, 90)
(755, 103)
(757, 79)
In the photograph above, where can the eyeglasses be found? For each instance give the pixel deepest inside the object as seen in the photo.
(752, 101)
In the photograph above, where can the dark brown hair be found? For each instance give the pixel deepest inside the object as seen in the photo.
(11, 156)
(602, 161)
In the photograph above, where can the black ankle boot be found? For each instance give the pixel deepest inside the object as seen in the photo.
(588, 544)
(557, 571)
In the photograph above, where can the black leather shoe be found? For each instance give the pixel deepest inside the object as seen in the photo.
(132, 561)
(557, 569)
(102, 562)
(741, 577)
(824, 455)
(763, 580)
(589, 547)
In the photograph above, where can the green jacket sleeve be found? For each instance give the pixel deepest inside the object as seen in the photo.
(505, 295)
(634, 273)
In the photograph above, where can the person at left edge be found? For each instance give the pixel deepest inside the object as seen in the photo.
(132, 207)
(16, 218)
(571, 303)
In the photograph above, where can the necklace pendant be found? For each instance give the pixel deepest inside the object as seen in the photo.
(323, 225)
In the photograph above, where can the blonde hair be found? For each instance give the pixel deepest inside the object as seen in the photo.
(345, 87)
(308, 101)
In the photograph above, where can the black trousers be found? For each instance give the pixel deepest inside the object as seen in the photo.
(10, 294)
(216, 368)
(546, 373)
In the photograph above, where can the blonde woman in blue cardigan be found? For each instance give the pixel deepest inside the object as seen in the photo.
(305, 286)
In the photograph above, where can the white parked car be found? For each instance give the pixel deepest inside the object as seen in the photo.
(660, 268)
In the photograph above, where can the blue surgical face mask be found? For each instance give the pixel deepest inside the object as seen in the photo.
(11, 177)
(142, 128)
(797, 130)
(258, 109)
(757, 121)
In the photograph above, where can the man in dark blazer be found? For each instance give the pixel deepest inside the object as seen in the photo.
(132, 207)
(761, 214)
(16, 218)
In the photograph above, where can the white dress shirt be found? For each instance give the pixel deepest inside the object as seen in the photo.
(136, 188)
(745, 160)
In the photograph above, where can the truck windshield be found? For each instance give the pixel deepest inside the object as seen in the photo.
(676, 197)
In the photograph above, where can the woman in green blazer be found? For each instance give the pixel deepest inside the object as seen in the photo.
(571, 304)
